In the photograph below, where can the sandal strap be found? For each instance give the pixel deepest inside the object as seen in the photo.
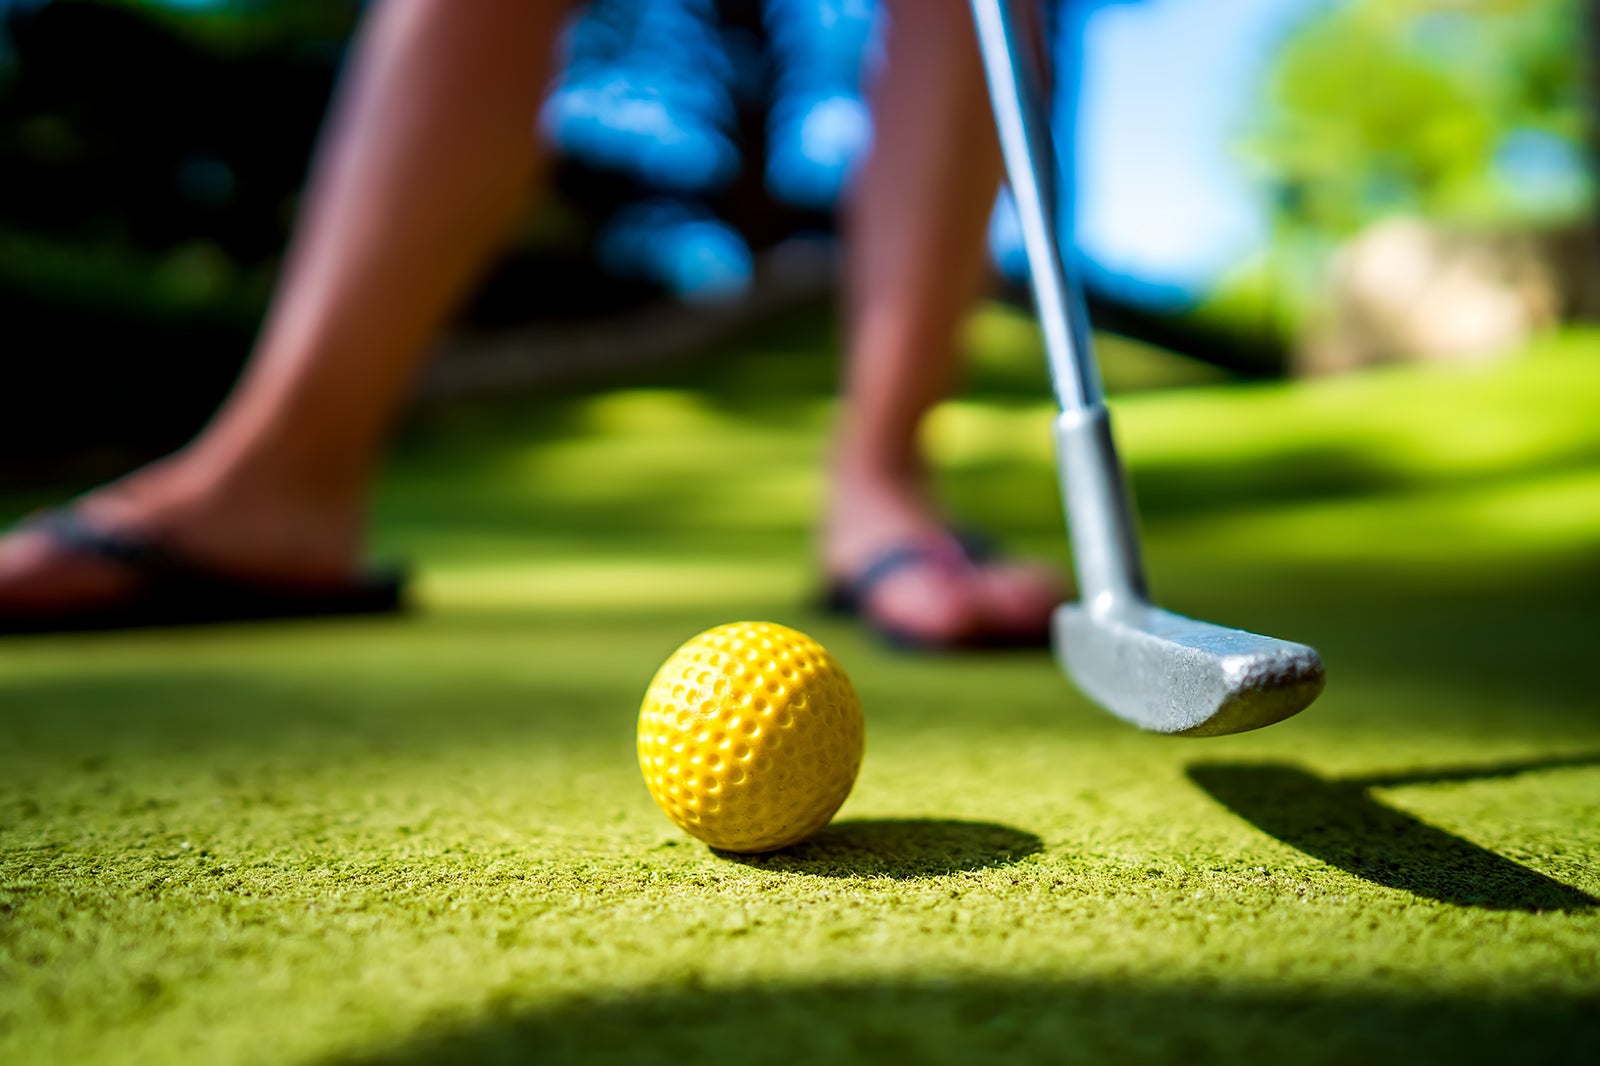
(177, 591)
(976, 546)
(140, 554)
(851, 595)
(150, 558)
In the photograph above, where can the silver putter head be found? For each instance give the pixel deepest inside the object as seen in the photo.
(1170, 674)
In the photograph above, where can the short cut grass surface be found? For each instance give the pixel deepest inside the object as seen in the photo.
(427, 840)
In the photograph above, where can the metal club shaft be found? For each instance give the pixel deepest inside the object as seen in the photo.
(1105, 543)
(1025, 141)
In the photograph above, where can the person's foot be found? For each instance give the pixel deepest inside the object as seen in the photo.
(939, 596)
(254, 535)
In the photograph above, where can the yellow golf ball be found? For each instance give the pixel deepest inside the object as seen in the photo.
(750, 736)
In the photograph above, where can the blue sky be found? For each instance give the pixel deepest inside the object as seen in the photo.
(1167, 88)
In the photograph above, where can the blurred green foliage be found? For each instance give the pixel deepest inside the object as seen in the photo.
(253, 23)
(150, 159)
(1471, 113)
(151, 162)
(1383, 106)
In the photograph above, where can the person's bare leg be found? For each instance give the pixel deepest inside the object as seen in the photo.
(428, 155)
(917, 221)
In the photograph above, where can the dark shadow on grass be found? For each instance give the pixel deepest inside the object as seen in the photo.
(1344, 825)
(1439, 775)
(1013, 1021)
(898, 848)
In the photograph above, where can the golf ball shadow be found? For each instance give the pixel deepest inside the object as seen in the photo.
(903, 848)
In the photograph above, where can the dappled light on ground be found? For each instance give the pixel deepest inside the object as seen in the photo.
(426, 839)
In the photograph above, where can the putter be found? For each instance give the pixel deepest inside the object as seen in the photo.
(1161, 671)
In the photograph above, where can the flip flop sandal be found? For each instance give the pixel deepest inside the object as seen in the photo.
(850, 597)
(175, 591)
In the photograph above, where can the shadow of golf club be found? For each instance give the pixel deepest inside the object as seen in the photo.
(898, 848)
(1477, 771)
(1340, 822)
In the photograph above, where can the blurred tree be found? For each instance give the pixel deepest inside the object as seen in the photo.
(1442, 110)
(1470, 113)
(251, 24)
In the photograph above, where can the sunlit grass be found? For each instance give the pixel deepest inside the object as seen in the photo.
(426, 840)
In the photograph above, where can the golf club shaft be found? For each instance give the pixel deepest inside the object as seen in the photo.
(1023, 123)
(1105, 544)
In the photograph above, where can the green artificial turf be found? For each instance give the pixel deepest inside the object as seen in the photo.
(427, 840)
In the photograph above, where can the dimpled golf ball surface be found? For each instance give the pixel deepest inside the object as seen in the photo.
(750, 736)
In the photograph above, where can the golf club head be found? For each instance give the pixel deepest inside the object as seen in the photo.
(1170, 674)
